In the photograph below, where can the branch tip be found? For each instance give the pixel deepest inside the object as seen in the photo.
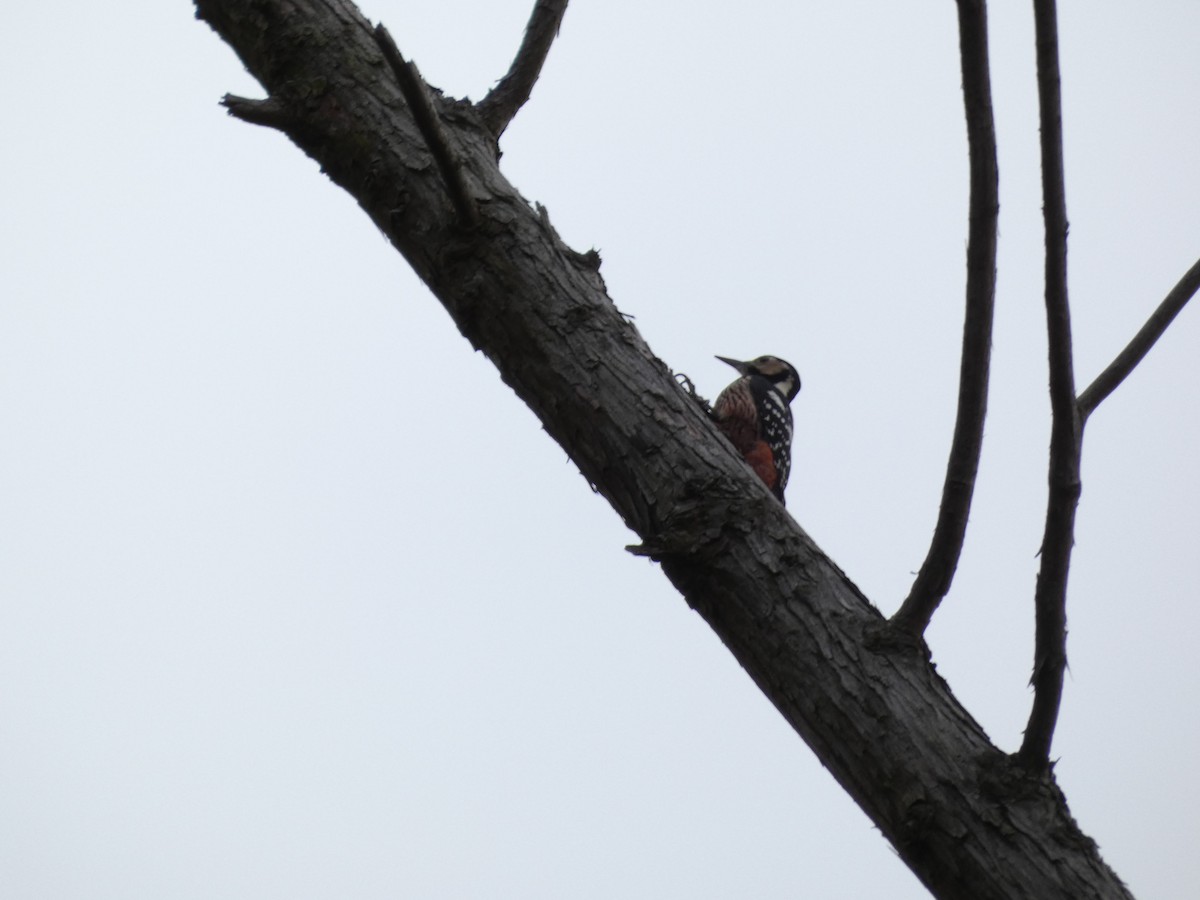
(269, 113)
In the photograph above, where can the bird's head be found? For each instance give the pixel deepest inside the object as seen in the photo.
(780, 373)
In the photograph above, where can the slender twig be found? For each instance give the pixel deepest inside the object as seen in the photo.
(937, 572)
(503, 101)
(1118, 370)
(412, 86)
(269, 113)
(1066, 432)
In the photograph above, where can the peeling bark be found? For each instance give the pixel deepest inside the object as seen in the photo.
(967, 820)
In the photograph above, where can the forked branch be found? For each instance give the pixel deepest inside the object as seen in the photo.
(937, 572)
(1118, 370)
(1066, 432)
(503, 101)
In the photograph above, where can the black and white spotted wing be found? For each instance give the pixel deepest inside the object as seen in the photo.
(775, 425)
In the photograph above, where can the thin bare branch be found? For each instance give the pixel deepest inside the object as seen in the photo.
(503, 101)
(412, 86)
(1066, 434)
(937, 572)
(1118, 370)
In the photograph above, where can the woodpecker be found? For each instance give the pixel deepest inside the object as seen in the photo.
(755, 414)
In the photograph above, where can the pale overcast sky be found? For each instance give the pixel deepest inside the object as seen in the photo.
(298, 601)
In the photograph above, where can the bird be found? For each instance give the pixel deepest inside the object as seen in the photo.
(755, 413)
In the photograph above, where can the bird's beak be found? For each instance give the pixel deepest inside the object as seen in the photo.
(736, 363)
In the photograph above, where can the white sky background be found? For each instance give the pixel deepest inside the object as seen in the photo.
(298, 601)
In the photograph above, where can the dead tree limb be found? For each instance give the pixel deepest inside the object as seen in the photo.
(1066, 430)
(505, 100)
(937, 572)
(967, 820)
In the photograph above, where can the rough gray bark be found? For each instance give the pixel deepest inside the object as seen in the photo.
(967, 820)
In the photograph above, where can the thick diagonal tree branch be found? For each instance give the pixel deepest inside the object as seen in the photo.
(505, 100)
(1066, 430)
(969, 822)
(1135, 351)
(937, 572)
